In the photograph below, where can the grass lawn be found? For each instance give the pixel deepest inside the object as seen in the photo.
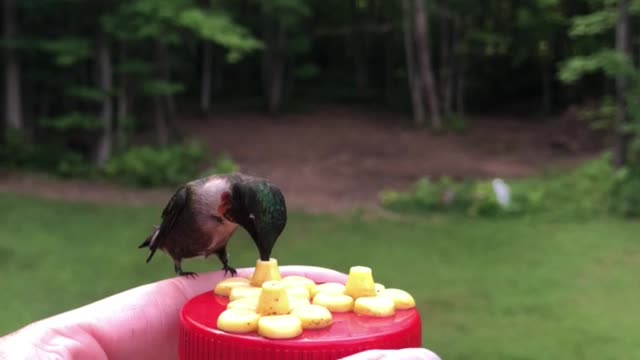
(487, 289)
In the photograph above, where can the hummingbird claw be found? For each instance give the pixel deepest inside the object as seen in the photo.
(179, 271)
(188, 274)
(229, 269)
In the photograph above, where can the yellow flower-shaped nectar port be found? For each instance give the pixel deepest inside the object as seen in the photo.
(249, 303)
(334, 302)
(223, 288)
(313, 316)
(402, 299)
(265, 271)
(299, 281)
(298, 291)
(243, 292)
(279, 326)
(330, 287)
(378, 306)
(273, 299)
(238, 321)
(360, 282)
(295, 302)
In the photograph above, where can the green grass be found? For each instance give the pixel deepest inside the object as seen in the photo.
(487, 289)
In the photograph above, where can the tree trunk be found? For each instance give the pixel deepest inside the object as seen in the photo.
(13, 89)
(122, 114)
(218, 71)
(424, 56)
(446, 68)
(273, 63)
(389, 60)
(105, 81)
(172, 114)
(205, 89)
(461, 73)
(622, 137)
(359, 51)
(162, 131)
(546, 85)
(44, 102)
(417, 101)
(458, 76)
(159, 108)
(123, 101)
(360, 63)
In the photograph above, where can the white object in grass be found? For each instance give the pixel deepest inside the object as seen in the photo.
(501, 189)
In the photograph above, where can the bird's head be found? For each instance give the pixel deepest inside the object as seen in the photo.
(258, 207)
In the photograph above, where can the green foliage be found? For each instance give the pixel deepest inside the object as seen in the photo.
(133, 67)
(625, 199)
(289, 12)
(585, 191)
(19, 152)
(610, 62)
(602, 116)
(73, 165)
(593, 24)
(217, 26)
(306, 71)
(223, 164)
(156, 87)
(166, 20)
(299, 43)
(456, 123)
(146, 166)
(86, 93)
(623, 187)
(67, 51)
(474, 198)
(71, 121)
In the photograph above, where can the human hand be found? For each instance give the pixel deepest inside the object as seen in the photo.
(402, 354)
(140, 323)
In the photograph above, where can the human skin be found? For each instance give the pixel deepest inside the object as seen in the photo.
(142, 323)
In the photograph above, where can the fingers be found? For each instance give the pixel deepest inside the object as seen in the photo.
(140, 323)
(147, 321)
(402, 354)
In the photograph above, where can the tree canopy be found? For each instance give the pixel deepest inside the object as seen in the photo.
(93, 72)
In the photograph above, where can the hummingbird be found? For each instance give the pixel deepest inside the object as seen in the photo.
(203, 214)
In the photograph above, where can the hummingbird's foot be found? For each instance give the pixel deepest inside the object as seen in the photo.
(229, 269)
(180, 272)
(188, 274)
(224, 259)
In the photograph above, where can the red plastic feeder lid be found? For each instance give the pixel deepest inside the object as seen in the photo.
(349, 333)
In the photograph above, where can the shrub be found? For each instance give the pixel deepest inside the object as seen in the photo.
(146, 166)
(222, 165)
(625, 193)
(456, 123)
(21, 153)
(17, 150)
(587, 190)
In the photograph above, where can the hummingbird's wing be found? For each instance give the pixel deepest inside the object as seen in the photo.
(170, 215)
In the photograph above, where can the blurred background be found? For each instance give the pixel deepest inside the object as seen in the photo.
(489, 147)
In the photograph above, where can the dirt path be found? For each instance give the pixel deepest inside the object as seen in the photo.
(336, 158)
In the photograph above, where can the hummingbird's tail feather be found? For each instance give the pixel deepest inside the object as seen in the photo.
(148, 242)
(149, 239)
(153, 251)
(145, 243)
